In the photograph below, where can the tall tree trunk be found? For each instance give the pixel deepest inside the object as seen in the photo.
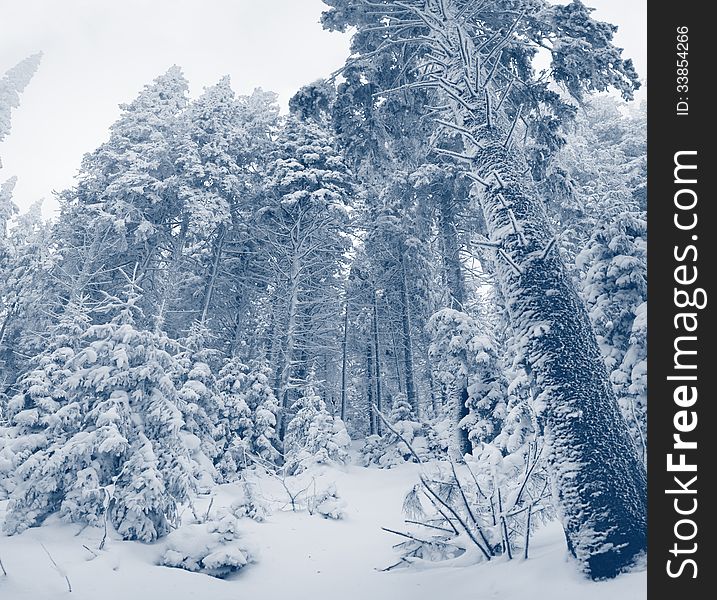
(377, 365)
(395, 350)
(211, 283)
(452, 253)
(172, 273)
(597, 475)
(407, 342)
(372, 417)
(344, 346)
(288, 354)
(460, 442)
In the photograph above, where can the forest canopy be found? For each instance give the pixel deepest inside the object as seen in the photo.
(439, 251)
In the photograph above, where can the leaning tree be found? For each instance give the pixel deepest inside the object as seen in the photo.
(501, 119)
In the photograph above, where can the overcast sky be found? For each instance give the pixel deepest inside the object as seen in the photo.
(99, 53)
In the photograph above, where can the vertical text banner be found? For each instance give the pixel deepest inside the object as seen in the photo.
(681, 268)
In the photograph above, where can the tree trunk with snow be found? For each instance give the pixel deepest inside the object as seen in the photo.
(213, 274)
(372, 417)
(411, 396)
(598, 480)
(377, 366)
(344, 360)
(461, 444)
(288, 352)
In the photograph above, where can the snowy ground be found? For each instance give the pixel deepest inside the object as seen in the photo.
(299, 557)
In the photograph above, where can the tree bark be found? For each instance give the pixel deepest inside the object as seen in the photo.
(457, 288)
(344, 346)
(411, 396)
(598, 478)
(209, 290)
(377, 365)
(288, 354)
(372, 417)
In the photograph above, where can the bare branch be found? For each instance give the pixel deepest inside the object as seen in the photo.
(512, 127)
(548, 248)
(510, 261)
(396, 433)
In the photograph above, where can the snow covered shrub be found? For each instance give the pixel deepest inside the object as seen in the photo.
(401, 410)
(488, 506)
(314, 436)
(112, 426)
(467, 366)
(141, 509)
(264, 407)
(197, 400)
(234, 428)
(249, 503)
(327, 503)
(390, 449)
(211, 548)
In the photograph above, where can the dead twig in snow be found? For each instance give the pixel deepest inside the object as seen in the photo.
(59, 569)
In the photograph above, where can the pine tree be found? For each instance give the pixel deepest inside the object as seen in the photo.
(212, 184)
(302, 233)
(28, 295)
(599, 481)
(8, 209)
(615, 289)
(12, 84)
(467, 363)
(197, 398)
(313, 435)
(264, 408)
(142, 508)
(119, 425)
(235, 425)
(126, 208)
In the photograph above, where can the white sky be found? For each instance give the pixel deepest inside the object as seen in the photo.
(99, 53)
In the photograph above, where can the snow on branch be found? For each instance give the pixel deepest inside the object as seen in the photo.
(510, 261)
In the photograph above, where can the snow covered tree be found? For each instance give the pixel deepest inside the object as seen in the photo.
(41, 391)
(118, 426)
(28, 294)
(466, 363)
(142, 507)
(471, 63)
(313, 435)
(600, 172)
(302, 232)
(248, 416)
(8, 209)
(212, 183)
(264, 408)
(197, 397)
(12, 84)
(615, 288)
(126, 208)
(235, 425)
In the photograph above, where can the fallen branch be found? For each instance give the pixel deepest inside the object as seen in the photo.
(409, 536)
(428, 525)
(463, 524)
(469, 510)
